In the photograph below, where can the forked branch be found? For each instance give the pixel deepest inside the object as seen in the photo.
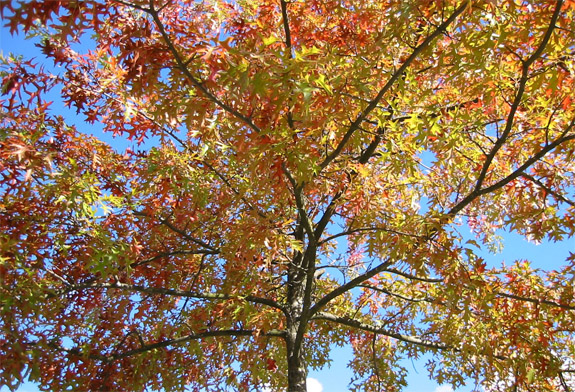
(518, 96)
(355, 125)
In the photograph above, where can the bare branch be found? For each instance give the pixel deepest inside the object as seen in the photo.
(564, 382)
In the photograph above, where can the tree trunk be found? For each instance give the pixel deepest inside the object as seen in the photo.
(295, 321)
(297, 369)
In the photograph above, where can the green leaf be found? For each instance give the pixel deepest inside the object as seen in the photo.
(322, 82)
(270, 40)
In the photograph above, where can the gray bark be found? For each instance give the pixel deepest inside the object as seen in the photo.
(297, 369)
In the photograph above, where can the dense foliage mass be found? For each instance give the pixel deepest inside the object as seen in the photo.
(306, 176)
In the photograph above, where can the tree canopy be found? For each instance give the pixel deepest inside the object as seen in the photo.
(306, 175)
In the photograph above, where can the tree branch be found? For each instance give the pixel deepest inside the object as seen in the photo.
(168, 254)
(175, 293)
(168, 343)
(518, 97)
(497, 293)
(349, 322)
(233, 189)
(195, 82)
(330, 210)
(288, 43)
(172, 134)
(413, 277)
(557, 195)
(348, 286)
(172, 227)
(285, 22)
(564, 382)
(518, 172)
(456, 209)
(354, 126)
(535, 301)
(361, 229)
(402, 297)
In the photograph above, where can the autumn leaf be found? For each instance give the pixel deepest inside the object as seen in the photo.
(242, 186)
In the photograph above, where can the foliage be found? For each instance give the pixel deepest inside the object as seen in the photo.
(304, 175)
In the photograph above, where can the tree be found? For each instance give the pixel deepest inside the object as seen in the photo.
(305, 177)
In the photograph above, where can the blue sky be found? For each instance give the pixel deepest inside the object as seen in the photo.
(546, 256)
